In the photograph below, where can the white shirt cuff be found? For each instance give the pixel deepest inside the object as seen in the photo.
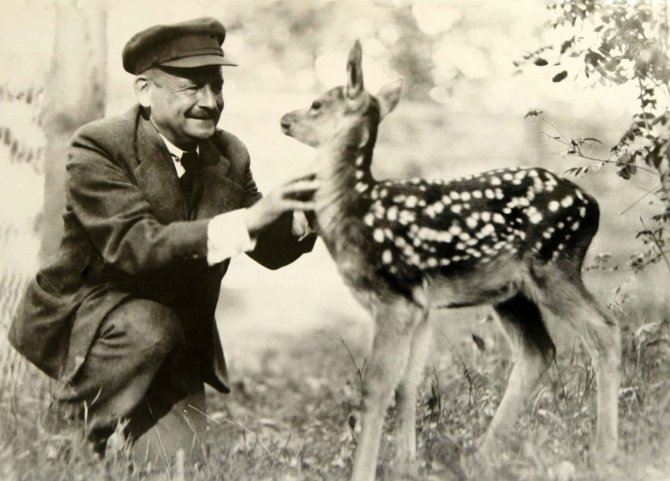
(227, 236)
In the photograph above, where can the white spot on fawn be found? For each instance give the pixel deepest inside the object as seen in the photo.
(498, 218)
(387, 257)
(582, 211)
(369, 219)
(495, 181)
(378, 235)
(392, 213)
(489, 194)
(454, 195)
(456, 208)
(406, 217)
(488, 229)
(567, 201)
(471, 222)
(465, 196)
(411, 201)
(477, 194)
(455, 230)
(444, 236)
(575, 226)
(553, 206)
(533, 215)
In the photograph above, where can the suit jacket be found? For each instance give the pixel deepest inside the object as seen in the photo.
(126, 234)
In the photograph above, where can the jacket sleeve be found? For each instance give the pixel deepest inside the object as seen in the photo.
(119, 219)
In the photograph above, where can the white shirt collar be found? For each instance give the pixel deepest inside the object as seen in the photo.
(176, 153)
(173, 149)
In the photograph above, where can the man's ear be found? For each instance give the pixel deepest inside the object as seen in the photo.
(142, 88)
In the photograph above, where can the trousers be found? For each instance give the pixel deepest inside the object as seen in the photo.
(140, 371)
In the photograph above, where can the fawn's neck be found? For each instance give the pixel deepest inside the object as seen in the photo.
(346, 182)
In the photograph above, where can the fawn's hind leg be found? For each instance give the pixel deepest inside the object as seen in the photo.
(394, 323)
(569, 300)
(533, 351)
(406, 396)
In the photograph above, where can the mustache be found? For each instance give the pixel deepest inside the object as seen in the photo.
(204, 114)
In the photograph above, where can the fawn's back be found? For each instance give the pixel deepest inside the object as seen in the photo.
(445, 232)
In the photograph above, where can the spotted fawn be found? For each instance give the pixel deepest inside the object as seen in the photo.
(512, 238)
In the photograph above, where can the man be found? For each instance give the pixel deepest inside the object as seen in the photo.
(157, 202)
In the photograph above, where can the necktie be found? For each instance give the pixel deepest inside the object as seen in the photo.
(189, 182)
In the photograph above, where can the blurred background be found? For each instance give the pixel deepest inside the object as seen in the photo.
(462, 111)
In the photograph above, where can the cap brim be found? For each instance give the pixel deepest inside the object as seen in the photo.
(199, 61)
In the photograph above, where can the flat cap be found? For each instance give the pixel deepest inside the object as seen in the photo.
(190, 44)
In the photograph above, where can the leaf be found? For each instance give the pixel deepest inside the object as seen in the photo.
(540, 62)
(481, 345)
(560, 76)
(533, 113)
(566, 45)
(583, 140)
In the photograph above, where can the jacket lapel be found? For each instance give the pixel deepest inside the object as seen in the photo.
(156, 175)
(219, 193)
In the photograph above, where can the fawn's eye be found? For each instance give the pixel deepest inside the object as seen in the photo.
(316, 105)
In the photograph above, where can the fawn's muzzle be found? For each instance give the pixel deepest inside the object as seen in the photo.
(285, 124)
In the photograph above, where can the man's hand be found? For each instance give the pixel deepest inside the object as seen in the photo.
(282, 198)
(300, 225)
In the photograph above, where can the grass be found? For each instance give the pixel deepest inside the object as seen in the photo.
(295, 417)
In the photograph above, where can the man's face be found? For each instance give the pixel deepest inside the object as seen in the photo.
(186, 104)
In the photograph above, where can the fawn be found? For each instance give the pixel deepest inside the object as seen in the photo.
(512, 238)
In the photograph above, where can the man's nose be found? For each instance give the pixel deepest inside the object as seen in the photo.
(208, 98)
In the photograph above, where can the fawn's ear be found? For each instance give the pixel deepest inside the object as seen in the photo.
(388, 97)
(354, 71)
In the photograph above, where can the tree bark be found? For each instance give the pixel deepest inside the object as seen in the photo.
(75, 95)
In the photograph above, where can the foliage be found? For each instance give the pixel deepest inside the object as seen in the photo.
(29, 99)
(614, 43)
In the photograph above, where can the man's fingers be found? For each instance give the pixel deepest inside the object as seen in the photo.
(291, 204)
(303, 175)
(300, 186)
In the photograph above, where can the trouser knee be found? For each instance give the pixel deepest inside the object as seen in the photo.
(153, 329)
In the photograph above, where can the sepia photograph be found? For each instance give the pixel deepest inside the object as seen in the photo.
(305, 240)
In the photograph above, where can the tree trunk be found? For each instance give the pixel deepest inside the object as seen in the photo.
(75, 95)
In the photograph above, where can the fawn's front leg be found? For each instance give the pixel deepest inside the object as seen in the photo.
(394, 324)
